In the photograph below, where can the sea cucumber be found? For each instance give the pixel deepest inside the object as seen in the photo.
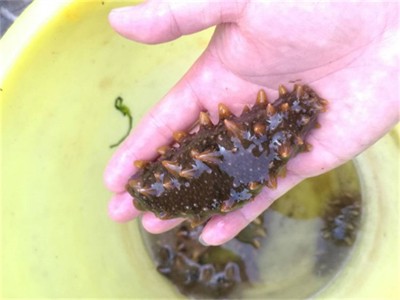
(342, 219)
(208, 271)
(223, 166)
(342, 222)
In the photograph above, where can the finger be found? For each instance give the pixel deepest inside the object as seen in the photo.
(154, 225)
(121, 209)
(221, 229)
(154, 22)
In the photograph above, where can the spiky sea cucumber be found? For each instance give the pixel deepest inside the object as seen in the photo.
(223, 166)
(208, 272)
(213, 272)
(342, 219)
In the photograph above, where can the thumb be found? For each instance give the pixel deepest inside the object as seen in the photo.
(155, 22)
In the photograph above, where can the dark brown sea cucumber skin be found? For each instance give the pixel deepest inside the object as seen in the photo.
(209, 272)
(342, 219)
(201, 272)
(222, 167)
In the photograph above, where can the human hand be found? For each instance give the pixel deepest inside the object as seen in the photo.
(347, 52)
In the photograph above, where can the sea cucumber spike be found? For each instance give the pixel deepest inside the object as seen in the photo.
(307, 147)
(326, 234)
(258, 221)
(317, 125)
(284, 151)
(180, 260)
(147, 191)
(322, 108)
(231, 271)
(245, 109)
(305, 120)
(272, 183)
(163, 150)
(194, 223)
(179, 136)
(348, 241)
(207, 274)
(282, 172)
(172, 167)
(299, 91)
(225, 206)
(256, 244)
(282, 91)
(211, 157)
(234, 129)
(167, 184)
(254, 185)
(323, 101)
(285, 106)
(134, 183)
(261, 98)
(187, 173)
(140, 164)
(261, 232)
(299, 141)
(194, 153)
(259, 128)
(223, 111)
(204, 120)
(270, 110)
(157, 175)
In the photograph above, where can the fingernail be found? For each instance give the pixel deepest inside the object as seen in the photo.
(121, 9)
(202, 241)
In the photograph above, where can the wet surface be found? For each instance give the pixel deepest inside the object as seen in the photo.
(208, 272)
(285, 253)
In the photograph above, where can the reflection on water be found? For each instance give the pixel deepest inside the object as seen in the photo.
(293, 250)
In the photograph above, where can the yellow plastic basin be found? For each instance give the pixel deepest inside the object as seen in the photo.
(62, 67)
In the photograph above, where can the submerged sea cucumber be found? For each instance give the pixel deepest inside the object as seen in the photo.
(342, 219)
(223, 166)
(200, 271)
(342, 222)
(197, 269)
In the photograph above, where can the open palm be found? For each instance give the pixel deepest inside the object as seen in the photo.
(347, 52)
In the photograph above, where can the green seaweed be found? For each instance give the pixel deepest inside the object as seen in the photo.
(125, 112)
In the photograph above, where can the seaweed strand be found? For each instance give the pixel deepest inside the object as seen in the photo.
(125, 112)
